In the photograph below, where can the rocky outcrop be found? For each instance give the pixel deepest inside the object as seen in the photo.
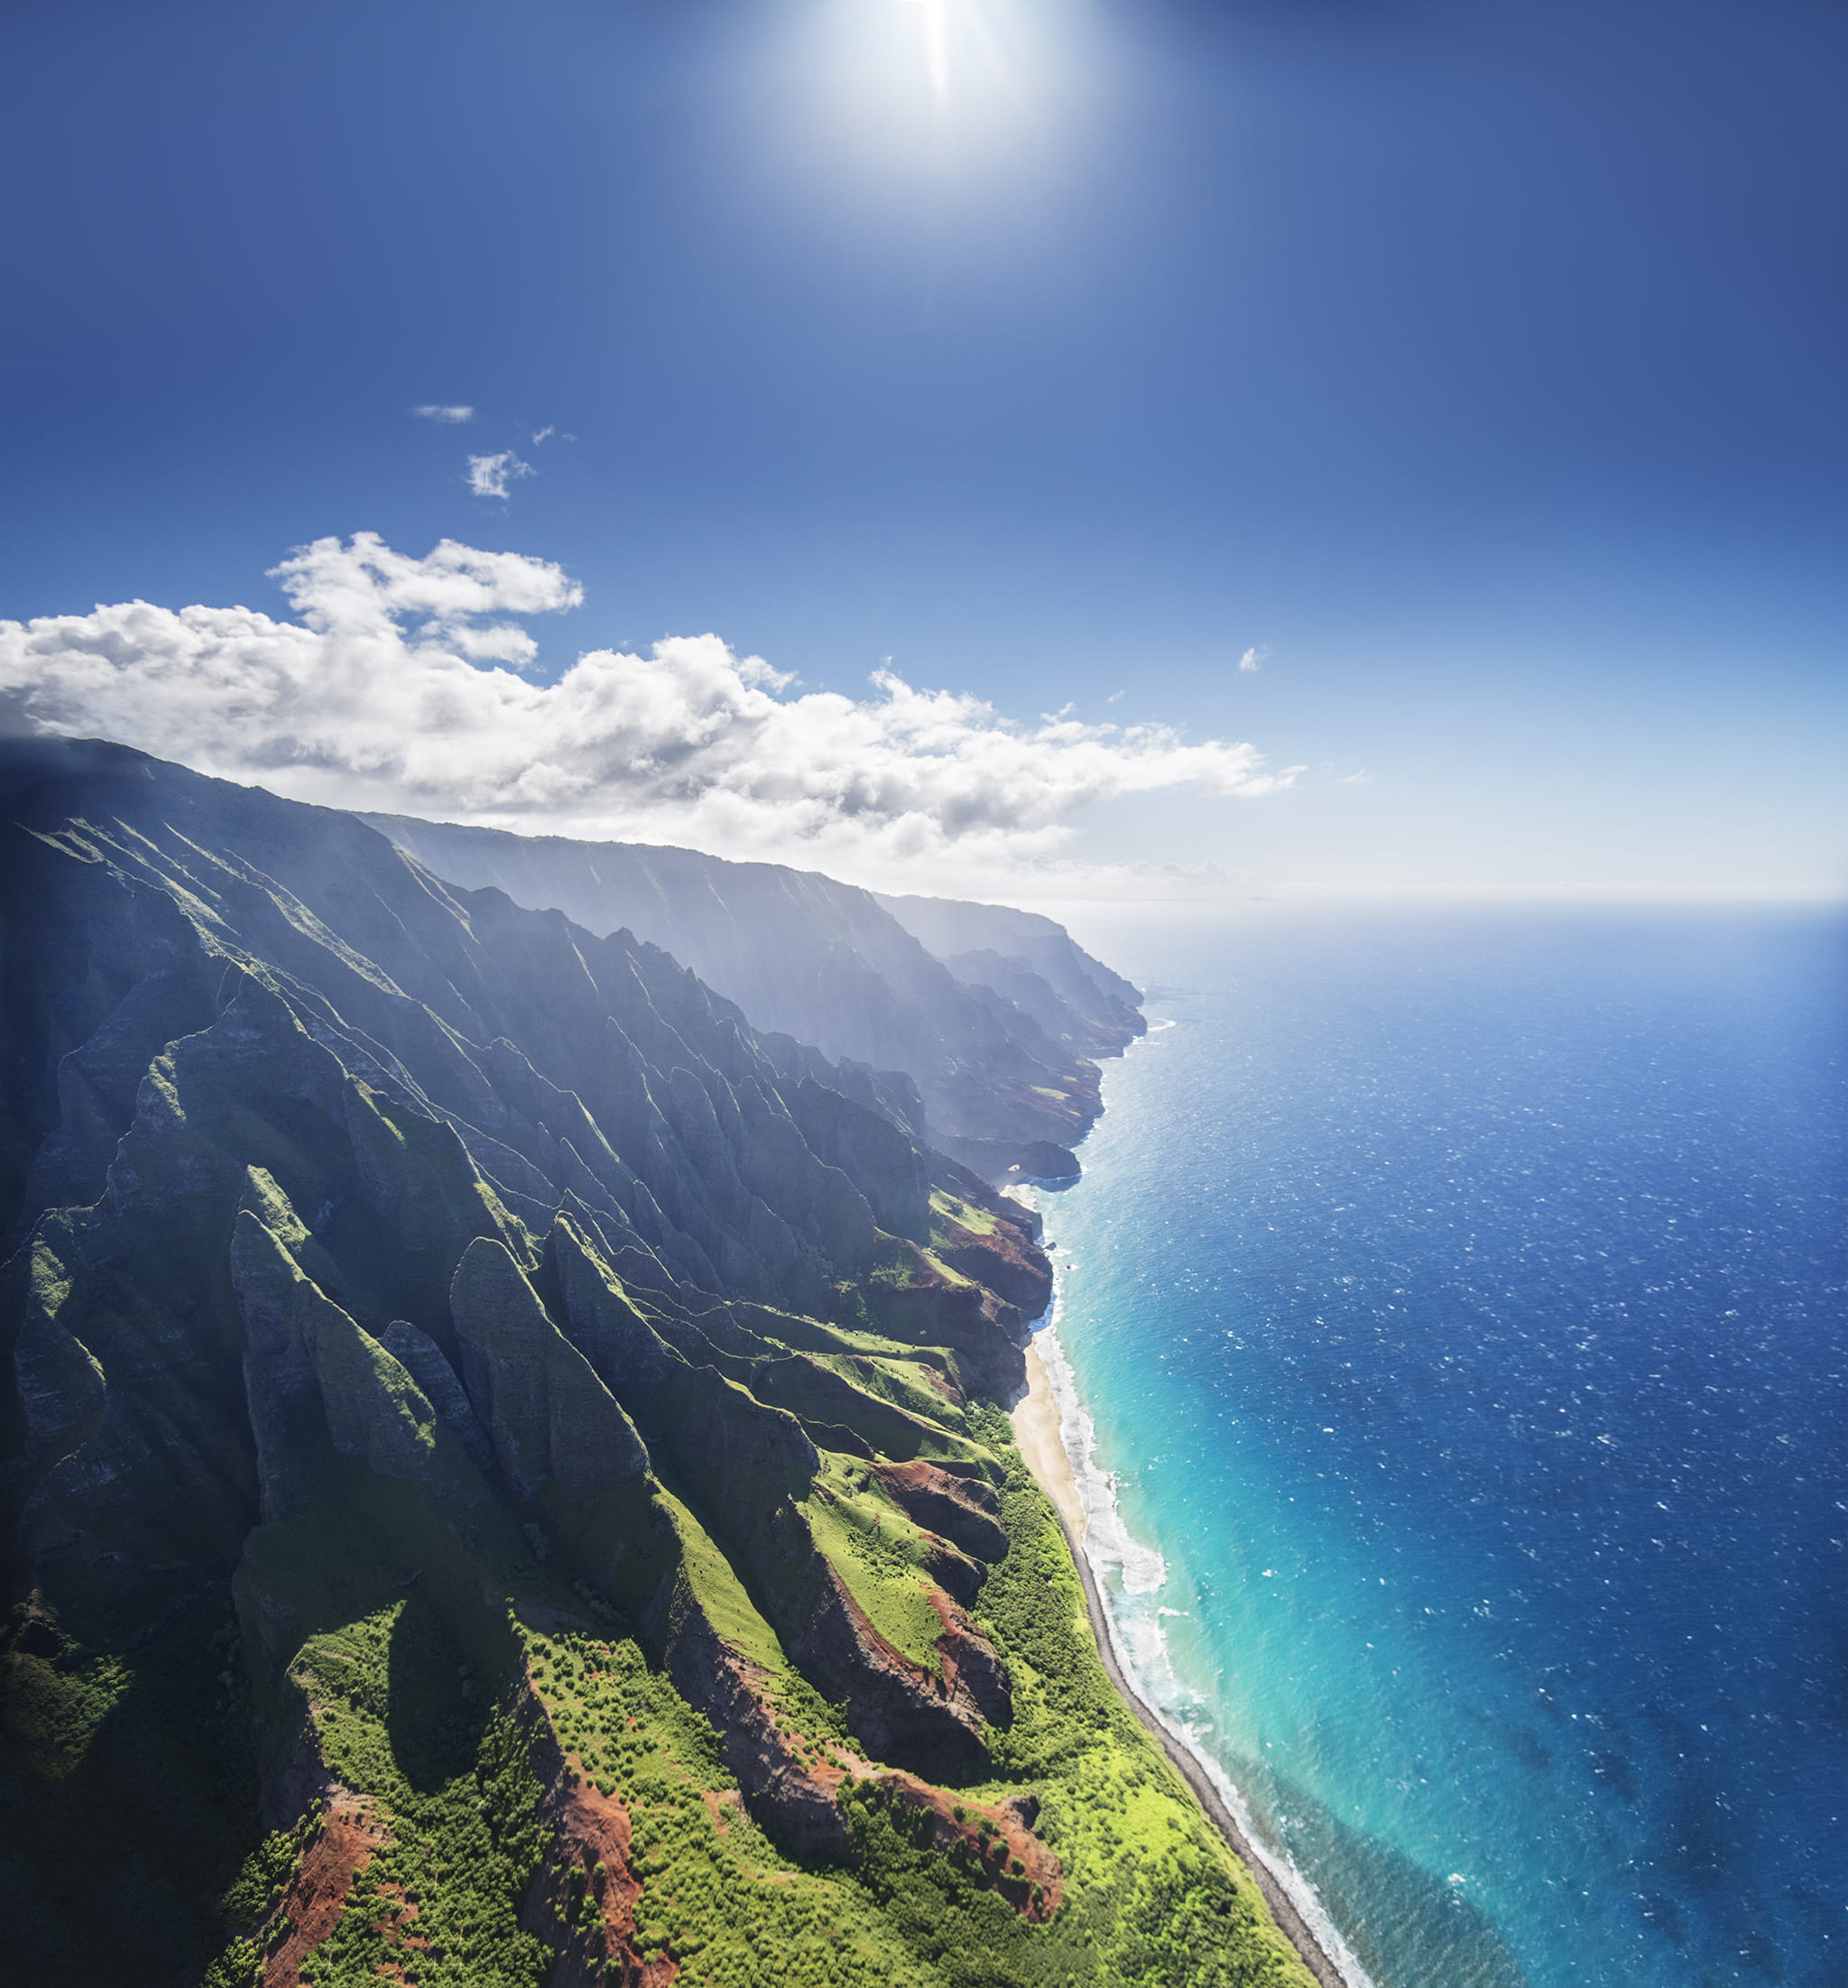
(551, 1419)
(422, 1359)
(797, 1804)
(964, 1510)
(308, 1358)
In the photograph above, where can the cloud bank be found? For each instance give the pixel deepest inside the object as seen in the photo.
(401, 686)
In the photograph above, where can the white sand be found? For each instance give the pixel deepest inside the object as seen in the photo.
(1036, 1430)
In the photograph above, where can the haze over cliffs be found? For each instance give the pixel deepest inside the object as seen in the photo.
(503, 1472)
(993, 1013)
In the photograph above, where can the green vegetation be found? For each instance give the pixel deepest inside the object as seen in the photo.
(716, 1895)
(445, 1794)
(1150, 1893)
(952, 1207)
(712, 1582)
(898, 1375)
(254, 1896)
(136, 1767)
(442, 1409)
(52, 1713)
(1154, 1891)
(879, 1554)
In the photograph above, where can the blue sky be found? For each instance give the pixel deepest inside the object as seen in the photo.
(1480, 366)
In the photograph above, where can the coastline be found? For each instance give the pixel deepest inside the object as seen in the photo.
(1036, 1422)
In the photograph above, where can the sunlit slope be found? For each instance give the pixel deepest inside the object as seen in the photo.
(502, 1482)
(999, 1042)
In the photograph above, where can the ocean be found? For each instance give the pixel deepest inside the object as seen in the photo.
(1450, 1333)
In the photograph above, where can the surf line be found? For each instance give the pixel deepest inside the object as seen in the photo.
(1056, 1439)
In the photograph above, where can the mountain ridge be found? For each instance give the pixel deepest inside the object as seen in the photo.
(502, 1466)
(1003, 1058)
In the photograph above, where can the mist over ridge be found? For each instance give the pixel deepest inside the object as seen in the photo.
(505, 1463)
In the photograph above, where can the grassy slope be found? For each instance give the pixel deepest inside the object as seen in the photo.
(1151, 1893)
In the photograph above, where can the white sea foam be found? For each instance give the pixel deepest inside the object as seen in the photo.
(1109, 1545)
(1128, 1572)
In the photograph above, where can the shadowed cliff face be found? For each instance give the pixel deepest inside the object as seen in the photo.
(382, 1245)
(500, 1479)
(1076, 1000)
(999, 1045)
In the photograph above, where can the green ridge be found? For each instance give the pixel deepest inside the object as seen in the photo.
(299, 1123)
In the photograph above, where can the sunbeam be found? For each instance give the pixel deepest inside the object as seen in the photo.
(936, 46)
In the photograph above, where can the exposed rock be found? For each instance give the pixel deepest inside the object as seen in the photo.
(587, 1858)
(964, 1510)
(551, 1419)
(799, 1806)
(994, 1843)
(423, 1359)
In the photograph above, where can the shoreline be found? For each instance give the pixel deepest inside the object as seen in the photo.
(1036, 1424)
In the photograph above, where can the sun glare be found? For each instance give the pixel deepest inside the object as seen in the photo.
(934, 87)
(936, 46)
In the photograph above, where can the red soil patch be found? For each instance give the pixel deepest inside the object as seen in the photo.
(582, 1898)
(1003, 1261)
(395, 1914)
(339, 1846)
(988, 1858)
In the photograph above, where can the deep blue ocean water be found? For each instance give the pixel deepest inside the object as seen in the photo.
(1459, 1300)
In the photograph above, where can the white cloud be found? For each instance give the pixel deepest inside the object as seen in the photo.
(491, 476)
(447, 416)
(1253, 660)
(541, 434)
(392, 691)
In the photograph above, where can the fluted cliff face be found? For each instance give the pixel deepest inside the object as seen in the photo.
(1000, 1043)
(479, 1420)
(1033, 961)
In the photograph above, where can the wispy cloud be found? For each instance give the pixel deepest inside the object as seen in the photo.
(542, 434)
(494, 475)
(1254, 660)
(393, 690)
(446, 417)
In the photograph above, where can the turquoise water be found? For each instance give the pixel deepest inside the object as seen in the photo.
(1457, 1303)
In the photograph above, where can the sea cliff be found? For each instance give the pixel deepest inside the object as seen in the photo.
(503, 1467)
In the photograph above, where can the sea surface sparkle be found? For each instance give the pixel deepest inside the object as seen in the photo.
(1457, 1303)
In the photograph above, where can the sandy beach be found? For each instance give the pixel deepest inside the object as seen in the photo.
(1037, 1431)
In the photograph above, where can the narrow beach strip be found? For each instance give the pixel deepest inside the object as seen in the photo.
(1037, 1431)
